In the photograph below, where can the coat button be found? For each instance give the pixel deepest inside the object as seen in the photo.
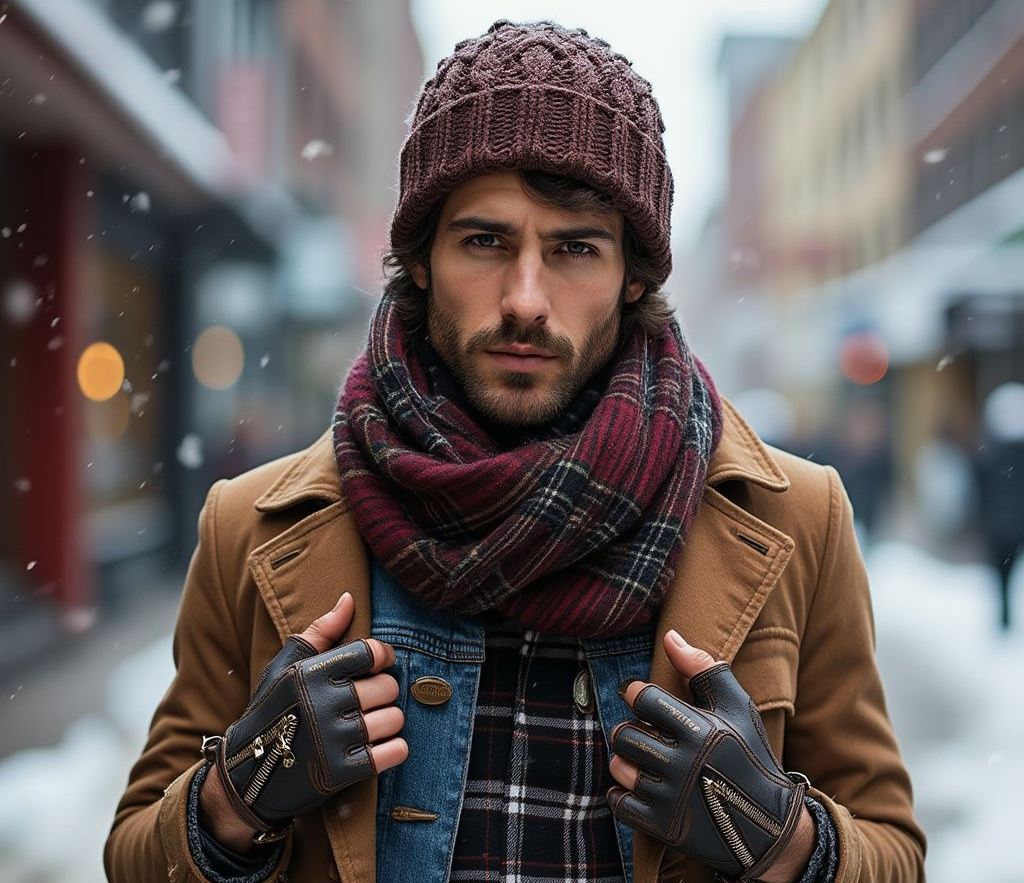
(431, 691)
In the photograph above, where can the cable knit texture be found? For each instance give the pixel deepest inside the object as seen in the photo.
(539, 96)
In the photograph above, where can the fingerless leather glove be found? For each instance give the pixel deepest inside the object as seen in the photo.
(709, 784)
(301, 739)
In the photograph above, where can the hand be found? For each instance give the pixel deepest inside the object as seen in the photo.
(702, 778)
(292, 749)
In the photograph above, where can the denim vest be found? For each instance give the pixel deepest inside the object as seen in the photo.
(410, 845)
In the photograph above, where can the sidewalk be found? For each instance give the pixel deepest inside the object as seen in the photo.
(74, 723)
(44, 698)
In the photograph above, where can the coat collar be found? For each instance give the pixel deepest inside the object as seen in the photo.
(740, 455)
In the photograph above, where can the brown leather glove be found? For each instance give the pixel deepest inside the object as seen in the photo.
(301, 739)
(709, 784)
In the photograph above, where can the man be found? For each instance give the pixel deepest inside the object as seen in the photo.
(535, 498)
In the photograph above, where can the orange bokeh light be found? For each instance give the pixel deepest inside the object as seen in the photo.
(218, 357)
(863, 358)
(100, 371)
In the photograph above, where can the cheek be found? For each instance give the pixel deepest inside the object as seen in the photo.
(466, 294)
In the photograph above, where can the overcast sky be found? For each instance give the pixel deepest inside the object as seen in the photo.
(672, 44)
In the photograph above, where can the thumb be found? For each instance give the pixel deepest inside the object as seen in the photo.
(686, 659)
(325, 631)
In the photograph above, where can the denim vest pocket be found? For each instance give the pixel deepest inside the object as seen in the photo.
(419, 801)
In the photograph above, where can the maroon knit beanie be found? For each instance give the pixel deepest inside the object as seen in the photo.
(539, 96)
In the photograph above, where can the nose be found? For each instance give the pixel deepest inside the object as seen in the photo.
(524, 299)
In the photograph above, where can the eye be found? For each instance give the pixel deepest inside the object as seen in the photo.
(576, 249)
(483, 240)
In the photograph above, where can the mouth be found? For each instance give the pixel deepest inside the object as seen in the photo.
(520, 358)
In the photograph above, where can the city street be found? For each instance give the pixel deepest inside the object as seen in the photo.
(949, 679)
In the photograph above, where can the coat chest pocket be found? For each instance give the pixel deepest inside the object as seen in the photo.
(766, 666)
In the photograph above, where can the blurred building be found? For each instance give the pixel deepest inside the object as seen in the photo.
(866, 257)
(193, 201)
(723, 275)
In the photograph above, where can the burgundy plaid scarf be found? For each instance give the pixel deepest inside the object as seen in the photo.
(576, 531)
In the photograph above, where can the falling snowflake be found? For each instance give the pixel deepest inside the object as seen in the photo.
(55, 343)
(159, 15)
(137, 402)
(316, 147)
(31, 565)
(190, 451)
(945, 361)
(264, 361)
(38, 98)
(935, 155)
(23, 485)
(20, 302)
(172, 76)
(140, 202)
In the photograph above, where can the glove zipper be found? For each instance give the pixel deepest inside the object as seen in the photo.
(717, 793)
(279, 737)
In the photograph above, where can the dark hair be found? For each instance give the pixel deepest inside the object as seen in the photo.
(651, 310)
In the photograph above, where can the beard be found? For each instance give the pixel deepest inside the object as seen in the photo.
(521, 398)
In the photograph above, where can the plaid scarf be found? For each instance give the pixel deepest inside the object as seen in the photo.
(575, 531)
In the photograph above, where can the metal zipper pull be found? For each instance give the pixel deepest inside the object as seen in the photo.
(287, 758)
(285, 731)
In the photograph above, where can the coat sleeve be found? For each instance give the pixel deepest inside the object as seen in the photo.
(840, 736)
(148, 840)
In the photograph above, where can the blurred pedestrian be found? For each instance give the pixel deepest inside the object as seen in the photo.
(864, 461)
(1000, 475)
(532, 491)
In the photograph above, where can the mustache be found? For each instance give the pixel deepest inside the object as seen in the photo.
(533, 335)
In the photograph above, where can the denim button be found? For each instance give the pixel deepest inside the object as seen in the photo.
(431, 691)
(582, 694)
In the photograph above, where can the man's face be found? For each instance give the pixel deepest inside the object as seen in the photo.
(525, 298)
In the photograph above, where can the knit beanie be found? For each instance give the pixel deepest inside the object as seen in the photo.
(539, 96)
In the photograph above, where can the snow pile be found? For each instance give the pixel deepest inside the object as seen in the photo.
(72, 788)
(953, 690)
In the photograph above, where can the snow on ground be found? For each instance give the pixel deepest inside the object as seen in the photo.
(952, 686)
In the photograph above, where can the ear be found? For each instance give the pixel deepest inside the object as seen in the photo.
(634, 291)
(420, 276)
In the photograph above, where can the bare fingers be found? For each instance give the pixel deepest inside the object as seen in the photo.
(373, 692)
(389, 754)
(624, 772)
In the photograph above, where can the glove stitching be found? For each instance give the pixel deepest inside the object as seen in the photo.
(730, 731)
(699, 760)
(321, 770)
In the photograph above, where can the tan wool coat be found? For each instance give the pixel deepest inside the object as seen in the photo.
(770, 579)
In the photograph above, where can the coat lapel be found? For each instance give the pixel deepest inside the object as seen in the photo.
(730, 564)
(727, 569)
(300, 573)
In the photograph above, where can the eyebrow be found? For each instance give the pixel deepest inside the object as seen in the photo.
(487, 225)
